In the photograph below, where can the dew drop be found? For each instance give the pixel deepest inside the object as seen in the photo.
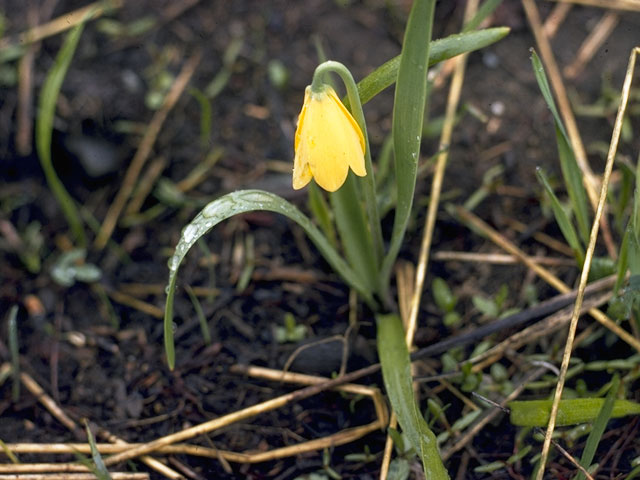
(211, 210)
(189, 233)
(173, 263)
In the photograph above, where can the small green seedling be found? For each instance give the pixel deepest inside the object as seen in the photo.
(291, 332)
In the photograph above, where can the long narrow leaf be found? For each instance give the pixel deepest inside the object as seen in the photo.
(408, 116)
(235, 203)
(598, 427)
(483, 12)
(44, 129)
(354, 232)
(572, 411)
(570, 171)
(441, 50)
(396, 372)
(575, 188)
(566, 227)
(99, 470)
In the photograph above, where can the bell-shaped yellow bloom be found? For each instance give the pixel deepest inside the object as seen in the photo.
(328, 142)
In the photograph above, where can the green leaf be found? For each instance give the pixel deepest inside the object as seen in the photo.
(14, 350)
(100, 470)
(575, 188)
(44, 129)
(441, 50)
(234, 203)
(408, 116)
(622, 264)
(396, 372)
(483, 12)
(566, 227)
(486, 306)
(535, 413)
(604, 415)
(354, 232)
(321, 212)
(570, 171)
(444, 298)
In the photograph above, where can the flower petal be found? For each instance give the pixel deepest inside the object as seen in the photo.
(328, 141)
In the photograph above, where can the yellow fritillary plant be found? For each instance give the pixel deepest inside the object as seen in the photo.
(332, 147)
(328, 141)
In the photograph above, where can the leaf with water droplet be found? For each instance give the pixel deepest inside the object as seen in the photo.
(233, 204)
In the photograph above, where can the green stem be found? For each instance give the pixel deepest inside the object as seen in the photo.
(368, 182)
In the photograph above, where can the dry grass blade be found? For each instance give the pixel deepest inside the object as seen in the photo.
(68, 422)
(473, 431)
(144, 150)
(555, 19)
(542, 328)
(61, 24)
(613, 148)
(122, 448)
(555, 77)
(543, 273)
(73, 476)
(590, 180)
(344, 436)
(592, 43)
(632, 5)
(48, 402)
(498, 258)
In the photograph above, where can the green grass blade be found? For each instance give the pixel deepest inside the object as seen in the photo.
(99, 470)
(243, 201)
(635, 216)
(599, 426)
(320, 210)
(396, 372)
(572, 411)
(570, 170)
(14, 350)
(441, 50)
(483, 12)
(354, 232)
(44, 129)
(566, 227)
(408, 116)
(623, 262)
(202, 319)
(573, 179)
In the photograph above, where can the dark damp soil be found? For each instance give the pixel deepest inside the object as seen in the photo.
(100, 355)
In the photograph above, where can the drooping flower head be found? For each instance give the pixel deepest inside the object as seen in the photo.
(328, 142)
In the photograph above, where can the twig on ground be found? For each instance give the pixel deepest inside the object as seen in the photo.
(144, 150)
(136, 303)
(591, 44)
(68, 422)
(73, 476)
(498, 258)
(491, 414)
(543, 273)
(48, 403)
(344, 436)
(555, 19)
(545, 327)
(62, 23)
(632, 5)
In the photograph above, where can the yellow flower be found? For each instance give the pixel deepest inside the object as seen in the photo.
(328, 141)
